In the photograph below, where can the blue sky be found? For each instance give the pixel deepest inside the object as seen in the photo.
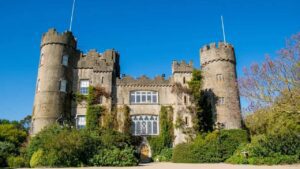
(149, 34)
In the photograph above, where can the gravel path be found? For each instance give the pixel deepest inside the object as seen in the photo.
(197, 166)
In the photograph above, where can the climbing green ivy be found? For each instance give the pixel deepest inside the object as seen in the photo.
(94, 109)
(201, 107)
(166, 135)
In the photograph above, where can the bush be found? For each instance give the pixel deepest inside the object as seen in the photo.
(165, 155)
(11, 133)
(6, 149)
(269, 149)
(214, 147)
(183, 153)
(115, 157)
(16, 162)
(62, 146)
(37, 159)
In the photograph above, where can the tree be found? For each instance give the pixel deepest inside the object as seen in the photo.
(275, 79)
(273, 89)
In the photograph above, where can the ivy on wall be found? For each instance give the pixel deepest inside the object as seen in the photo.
(166, 135)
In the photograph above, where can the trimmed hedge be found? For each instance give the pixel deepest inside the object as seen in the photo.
(212, 148)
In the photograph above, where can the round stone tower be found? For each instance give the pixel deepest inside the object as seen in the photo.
(52, 96)
(218, 66)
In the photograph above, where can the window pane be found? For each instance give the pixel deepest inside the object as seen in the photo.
(154, 99)
(138, 128)
(138, 98)
(132, 98)
(133, 128)
(144, 98)
(155, 127)
(149, 128)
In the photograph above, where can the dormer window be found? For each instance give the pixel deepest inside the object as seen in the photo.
(65, 60)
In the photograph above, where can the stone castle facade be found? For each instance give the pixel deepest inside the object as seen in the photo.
(64, 70)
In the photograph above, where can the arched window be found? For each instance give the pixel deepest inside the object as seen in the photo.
(184, 100)
(183, 80)
(102, 80)
(144, 125)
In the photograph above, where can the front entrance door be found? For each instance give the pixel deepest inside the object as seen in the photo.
(145, 153)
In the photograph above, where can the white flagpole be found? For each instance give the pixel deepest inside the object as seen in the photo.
(223, 29)
(70, 29)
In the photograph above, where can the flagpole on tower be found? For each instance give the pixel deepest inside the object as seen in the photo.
(72, 14)
(223, 29)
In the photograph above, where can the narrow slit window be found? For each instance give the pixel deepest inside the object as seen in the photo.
(65, 60)
(63, 86)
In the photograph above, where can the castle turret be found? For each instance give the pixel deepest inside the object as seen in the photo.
(219, 74)
(53, 89)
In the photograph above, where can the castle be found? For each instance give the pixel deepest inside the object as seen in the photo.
(63, 70)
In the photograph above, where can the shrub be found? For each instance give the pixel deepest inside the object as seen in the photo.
(6, 149)
(11, 133)
(165, 155)
(269, 149)
(183, 153)
(63, 146)
(37, 159)
(115, 157)
(16, 162)
(214, 147)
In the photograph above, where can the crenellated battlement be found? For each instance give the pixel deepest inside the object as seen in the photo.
(129, 81)
(53, 37)
(100, 62)
(214, 46)
(213, 53)
(182, 67)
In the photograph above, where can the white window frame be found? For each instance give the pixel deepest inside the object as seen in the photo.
(80, 121)
(65, 60)
(84, 85)
(138, 121)
(221, 100)
(63, 85)
(143, 97)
